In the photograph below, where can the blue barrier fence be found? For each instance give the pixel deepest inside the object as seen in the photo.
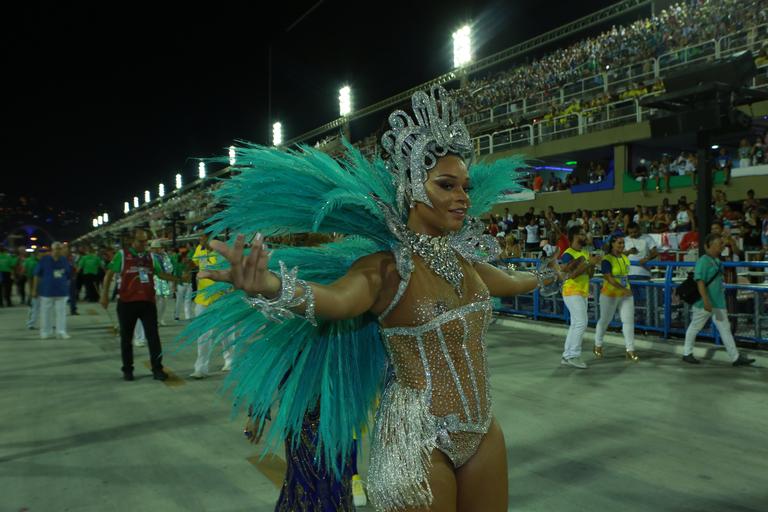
(657, 308)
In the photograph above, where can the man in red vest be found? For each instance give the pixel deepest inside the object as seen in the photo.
(136, 301)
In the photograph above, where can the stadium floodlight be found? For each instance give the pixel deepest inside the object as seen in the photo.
(106, 218)
(201, 170)
(135, 201)
(126, 207)
(147, 198)
(462, 46)
(345, 101)
(277, 134)
(100, 219)
(232, 158)
(715, 146)
(95, 223)
(161, 190)
(178, 181)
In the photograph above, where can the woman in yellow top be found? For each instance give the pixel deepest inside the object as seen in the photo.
(579, 266)
(616, 293)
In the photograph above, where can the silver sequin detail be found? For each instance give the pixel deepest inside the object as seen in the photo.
(278, 309)
(472, 376)
(455, 375)
(439, 255)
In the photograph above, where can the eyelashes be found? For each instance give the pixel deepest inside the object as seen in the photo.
(450, 186)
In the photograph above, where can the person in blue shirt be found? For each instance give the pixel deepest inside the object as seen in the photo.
(51, 283)
(709, 278)
(724, 162)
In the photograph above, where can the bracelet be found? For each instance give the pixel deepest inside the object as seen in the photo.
(278, 309)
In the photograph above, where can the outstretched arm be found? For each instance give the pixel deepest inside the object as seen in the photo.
(501, 284)
(350, 296)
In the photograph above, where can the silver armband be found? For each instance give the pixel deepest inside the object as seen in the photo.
(278, 309)
(549, 282)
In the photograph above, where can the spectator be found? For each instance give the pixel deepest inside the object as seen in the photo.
(745, 153)
(532, 235)
(709, 278)
(538, 182)
(750, 201)
(88, 267)
(52, 275)
(7, 264)
(684, 221)
(640, 249)
(512, 248)
(758, 152)
(724, 162)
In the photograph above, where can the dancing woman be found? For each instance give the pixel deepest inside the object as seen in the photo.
(399, 308)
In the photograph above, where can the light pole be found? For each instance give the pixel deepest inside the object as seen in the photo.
(178, 181)
(201, 170)
(160, 190)
(126, 207)
(147, 198)
(277, 134)
(135, 201)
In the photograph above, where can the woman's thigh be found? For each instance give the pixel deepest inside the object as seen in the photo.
(442, 481)
(482, 481)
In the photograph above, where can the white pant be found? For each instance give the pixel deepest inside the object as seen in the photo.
(161, 301)
(577, 307)
(47, 307)
(626, 306)
(138, 332)
(205, 347)
(34, 312)
(720, 318)
(184, 297)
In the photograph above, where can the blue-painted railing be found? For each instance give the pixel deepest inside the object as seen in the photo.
(657, 309)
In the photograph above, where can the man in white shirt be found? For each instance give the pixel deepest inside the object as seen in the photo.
(639, 249)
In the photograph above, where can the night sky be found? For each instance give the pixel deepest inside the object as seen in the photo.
(105, 100)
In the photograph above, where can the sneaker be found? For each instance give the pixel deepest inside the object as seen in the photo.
(139, 343)
(576, 362)
(176, 318)
(159, 375)
(690, 359)
(226, 367)
(743, 361)
(198, 375)
(162, 322)
(63, 336)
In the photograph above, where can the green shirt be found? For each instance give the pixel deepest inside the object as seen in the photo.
(706, 268)
(29, 266)
(89, 264)
(7, 262)
(116, 265)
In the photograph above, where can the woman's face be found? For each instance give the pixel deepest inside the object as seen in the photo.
(617, 246)
(447, 188)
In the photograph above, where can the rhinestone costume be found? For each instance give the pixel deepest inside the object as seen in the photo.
(437, 394)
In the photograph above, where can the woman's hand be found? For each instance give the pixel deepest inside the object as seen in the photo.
(247, 272)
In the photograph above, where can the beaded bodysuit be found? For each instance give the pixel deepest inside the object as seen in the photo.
(437, 394)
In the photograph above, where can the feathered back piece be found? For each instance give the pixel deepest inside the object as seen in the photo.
(282, 370)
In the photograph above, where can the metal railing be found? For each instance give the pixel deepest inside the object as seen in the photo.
(657, 308)
(638, 72)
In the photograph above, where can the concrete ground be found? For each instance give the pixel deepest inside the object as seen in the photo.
(657, 435)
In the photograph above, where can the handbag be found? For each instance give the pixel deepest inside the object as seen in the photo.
(688, 291)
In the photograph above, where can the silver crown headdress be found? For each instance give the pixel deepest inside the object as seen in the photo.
(416, 145)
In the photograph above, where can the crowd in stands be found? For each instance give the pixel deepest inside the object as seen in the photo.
(746, 155)
(681, 25)
(745, 221)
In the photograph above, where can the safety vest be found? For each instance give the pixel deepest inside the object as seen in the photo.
(136, 282)
(620, 272)
(578, 285)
